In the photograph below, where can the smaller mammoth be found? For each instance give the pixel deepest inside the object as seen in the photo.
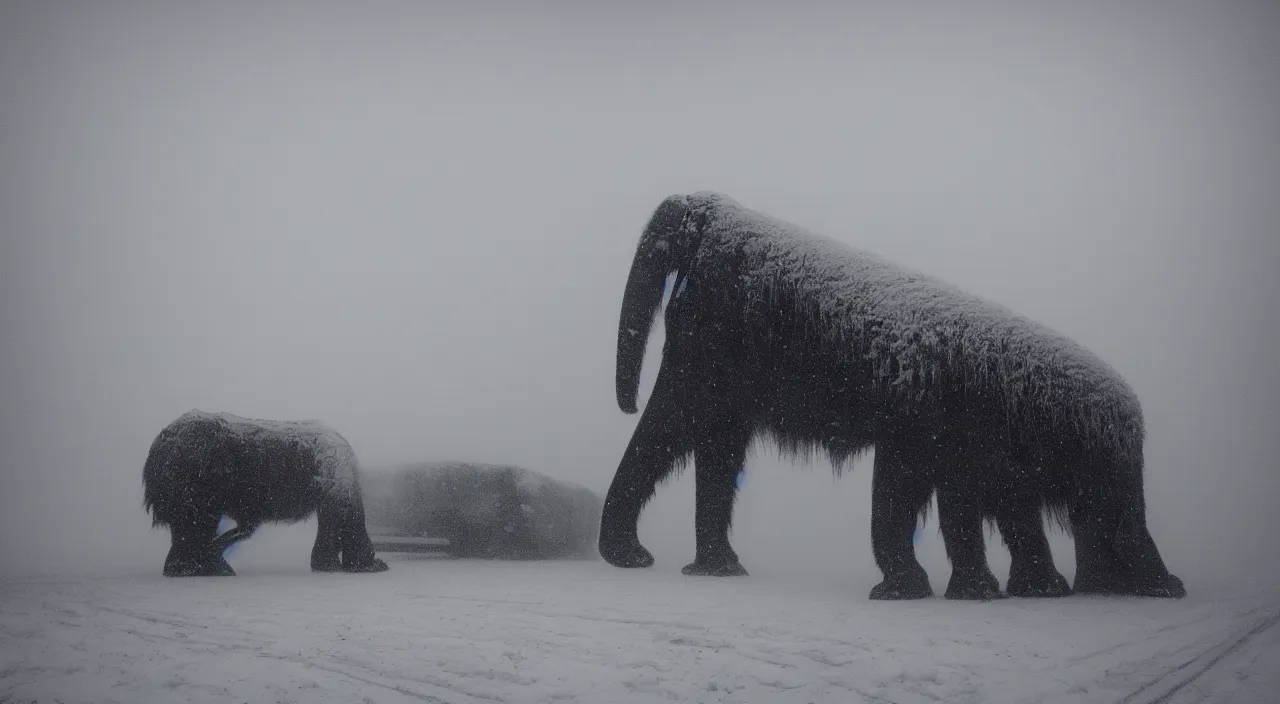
(204, 466)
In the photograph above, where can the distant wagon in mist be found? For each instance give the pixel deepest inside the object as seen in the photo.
(481, 511)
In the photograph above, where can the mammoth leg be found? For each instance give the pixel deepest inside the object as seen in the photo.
(663, 436)
(1031, 569)
(192, 551)
(353, 538)
(962, 491)
(717, 462)
(325, 552)
(1115, 553)
(960, 517)
(1097, 571)
(1140, 561)
(900, 490)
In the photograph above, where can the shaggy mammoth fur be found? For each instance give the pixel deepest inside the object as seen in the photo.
(204, 466)
(775, 332)
(486, 511)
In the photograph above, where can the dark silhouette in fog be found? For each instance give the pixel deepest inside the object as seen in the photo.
(775, 332)
(484, 510)
(204, 466)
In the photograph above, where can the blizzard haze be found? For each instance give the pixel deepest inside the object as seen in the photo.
(414, 222)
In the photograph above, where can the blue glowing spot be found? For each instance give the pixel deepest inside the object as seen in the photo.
(917, 534)
(667, 285)
(225, 524)
(740, 478)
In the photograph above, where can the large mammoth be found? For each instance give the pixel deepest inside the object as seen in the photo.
(773, 331)
(204, 466)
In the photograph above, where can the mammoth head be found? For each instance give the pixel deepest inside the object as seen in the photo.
(659, 253)
(667, 218)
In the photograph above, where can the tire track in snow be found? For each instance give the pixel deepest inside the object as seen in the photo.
(1141, 644)
(373, 682)
(1201, 664)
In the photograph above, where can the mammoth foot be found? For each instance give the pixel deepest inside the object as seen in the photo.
(1040, 584)
(973, 586)
(371, 565)
(912, 584)
(207, 567)
(1159, 587)
(1171, 588)
(625, 553)
(720, 568)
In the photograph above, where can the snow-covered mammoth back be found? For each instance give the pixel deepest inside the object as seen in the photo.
(911, 327)
(204, 466)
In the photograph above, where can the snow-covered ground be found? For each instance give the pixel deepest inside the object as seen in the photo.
(440, 630)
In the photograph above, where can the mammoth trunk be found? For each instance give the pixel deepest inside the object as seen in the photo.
(639, 307)
(655, 258)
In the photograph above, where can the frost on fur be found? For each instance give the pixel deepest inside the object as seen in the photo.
(912, 330)
(305, 442)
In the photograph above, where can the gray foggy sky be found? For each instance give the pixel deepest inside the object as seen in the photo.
(415, 223)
